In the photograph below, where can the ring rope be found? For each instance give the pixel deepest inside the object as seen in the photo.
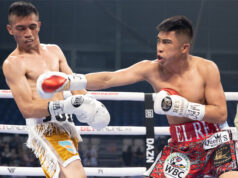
(90, 171)
(88, 130)
(121, 96)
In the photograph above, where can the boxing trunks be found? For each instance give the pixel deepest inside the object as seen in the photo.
(53, 141)
(196, 149)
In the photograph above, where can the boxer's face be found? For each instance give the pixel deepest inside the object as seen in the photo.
(25, 30)
(170, 47)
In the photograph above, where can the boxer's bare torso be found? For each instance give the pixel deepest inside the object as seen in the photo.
(22, 69)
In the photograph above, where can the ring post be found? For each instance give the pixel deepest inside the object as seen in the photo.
(150, 135)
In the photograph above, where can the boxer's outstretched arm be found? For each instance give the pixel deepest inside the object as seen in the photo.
(130, 75)
(52, 82)
(103, 80)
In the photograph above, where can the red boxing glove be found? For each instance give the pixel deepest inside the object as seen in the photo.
(51, 82)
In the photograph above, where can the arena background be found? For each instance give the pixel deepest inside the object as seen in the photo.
(106, 35)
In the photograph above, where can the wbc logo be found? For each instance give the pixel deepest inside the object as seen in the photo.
(177, 165)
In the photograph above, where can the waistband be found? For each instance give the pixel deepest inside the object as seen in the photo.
(193, 131)
(59, 118)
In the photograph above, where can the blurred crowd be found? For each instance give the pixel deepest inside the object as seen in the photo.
(93, 152)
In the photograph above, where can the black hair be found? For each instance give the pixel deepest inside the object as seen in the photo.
(22, 9)
(179, 24)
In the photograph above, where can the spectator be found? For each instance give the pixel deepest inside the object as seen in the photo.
(139, 158)
(127, 156)
(90, 160)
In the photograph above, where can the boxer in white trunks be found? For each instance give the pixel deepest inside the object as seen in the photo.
(188, 91)
(52, 134)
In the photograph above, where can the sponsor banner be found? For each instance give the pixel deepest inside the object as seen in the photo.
(222, 155)
(216, 139)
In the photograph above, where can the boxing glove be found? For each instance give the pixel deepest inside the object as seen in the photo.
(168, 102)
(87, 110)
(51, 82)
(94, 113)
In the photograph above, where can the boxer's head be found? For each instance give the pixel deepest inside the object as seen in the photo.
(24, 24)
(174, 40)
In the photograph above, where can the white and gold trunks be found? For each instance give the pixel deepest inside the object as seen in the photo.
(53, 142)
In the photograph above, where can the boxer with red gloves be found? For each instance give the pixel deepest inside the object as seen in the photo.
(51, 82)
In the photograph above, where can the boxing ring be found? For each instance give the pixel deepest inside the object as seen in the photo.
(149, 130)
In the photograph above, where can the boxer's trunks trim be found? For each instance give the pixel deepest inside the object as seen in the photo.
(42, 127)
(42, 151)
(69, 160)
(37, 130)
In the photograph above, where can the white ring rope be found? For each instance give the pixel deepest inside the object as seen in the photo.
(121, 96)
(88, 130)
(84, 130)
(90, 171)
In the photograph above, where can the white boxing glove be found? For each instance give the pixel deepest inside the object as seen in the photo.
(175, 105)
(51, 82)
(87, 110)
(94, 113)
(67, 106)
